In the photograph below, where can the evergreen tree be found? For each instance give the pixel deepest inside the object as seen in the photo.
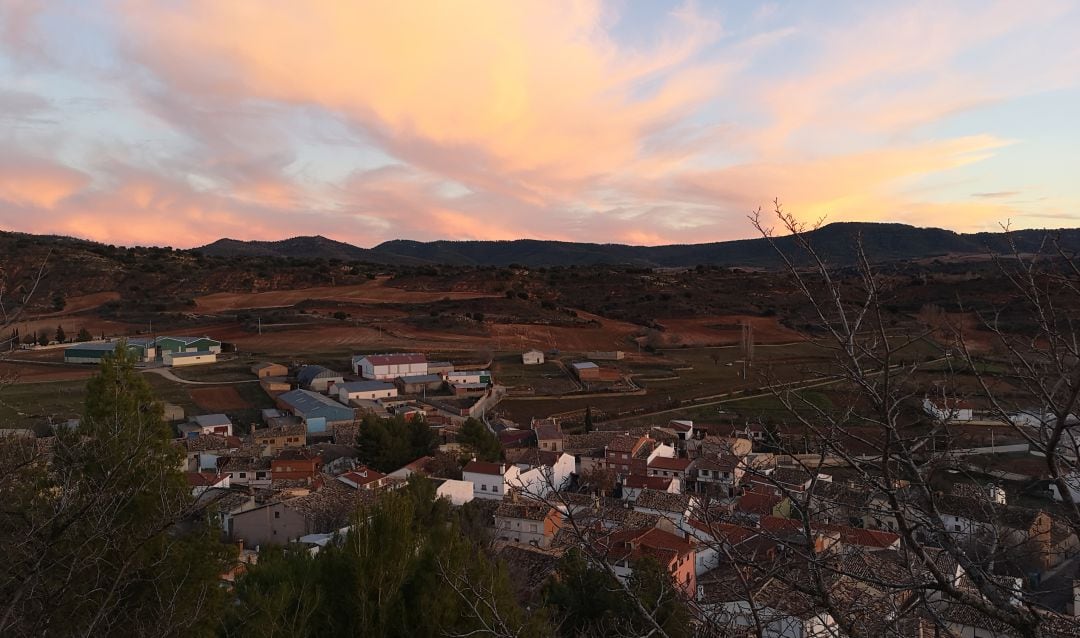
(61, 337)
(404, 569)
(592, 603)
(588, 418)
(478, 441)
(84, 335)
(104, 541)
(43, 339)
(386, 445)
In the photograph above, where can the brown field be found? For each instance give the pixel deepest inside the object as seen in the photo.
(218, 399)
(35, 373)
(375, 291)
(724, 330)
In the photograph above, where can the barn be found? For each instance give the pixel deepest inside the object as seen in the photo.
(587, 370)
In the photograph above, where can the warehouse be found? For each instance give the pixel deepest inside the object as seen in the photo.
(317, 378)
(385, 367)
(175, 345)
(180, 359)
(365, 390)
(311, 406)
(141, 349)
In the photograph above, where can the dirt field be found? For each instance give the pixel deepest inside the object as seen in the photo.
(725, 330)
(36, 373)
(219, 399)
(375, 291)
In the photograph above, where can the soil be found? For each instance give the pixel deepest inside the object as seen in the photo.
(718, 330)
(375, 291)
(218, 399)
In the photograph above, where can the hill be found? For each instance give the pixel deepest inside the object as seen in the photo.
(307, 247)
(883, 242)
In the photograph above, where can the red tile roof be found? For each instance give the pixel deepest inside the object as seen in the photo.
(757, 503)
(202, 479)
(636, 481)
(483, 467)
(655, 542)
(361, 476)
(663, 463)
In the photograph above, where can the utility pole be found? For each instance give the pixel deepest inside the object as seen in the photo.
(747, 347)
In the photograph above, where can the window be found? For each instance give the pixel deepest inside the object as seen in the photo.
(243, 474)
(483, 488)
(277, 514)
(532, 528)
(956, 527)
(625, 456)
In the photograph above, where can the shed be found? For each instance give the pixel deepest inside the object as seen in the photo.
(586, 370)
(419, 383)
(266, 369)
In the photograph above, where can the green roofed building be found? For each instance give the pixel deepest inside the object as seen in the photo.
(176, 345)
(141, 349)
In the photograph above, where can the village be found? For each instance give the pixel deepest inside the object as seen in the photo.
(704, 497)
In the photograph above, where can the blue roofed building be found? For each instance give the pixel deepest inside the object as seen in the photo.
(311, 406)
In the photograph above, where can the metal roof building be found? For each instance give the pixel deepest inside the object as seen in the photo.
(312, 405)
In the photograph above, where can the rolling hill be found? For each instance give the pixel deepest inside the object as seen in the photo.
(883, 243)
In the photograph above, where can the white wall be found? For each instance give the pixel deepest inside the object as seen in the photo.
(457, 492)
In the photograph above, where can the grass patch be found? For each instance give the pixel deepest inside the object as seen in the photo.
(37, 404)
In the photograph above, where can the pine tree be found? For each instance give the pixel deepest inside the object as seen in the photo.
(61, 337)
(84, 335)
(43, 339)
(588, 418)
(475, 437)
(114, 557)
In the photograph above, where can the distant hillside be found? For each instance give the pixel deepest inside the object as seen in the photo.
(301, 248)
(883, 242)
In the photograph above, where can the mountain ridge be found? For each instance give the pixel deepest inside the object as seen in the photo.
(836, 241)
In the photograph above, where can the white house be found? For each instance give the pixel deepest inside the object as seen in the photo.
(365, 391)
(542, 472)
(457, 492)
(948, 409)
(207, 424)
(202, 481)
(385, 367)
(491, 480)
(532, 357)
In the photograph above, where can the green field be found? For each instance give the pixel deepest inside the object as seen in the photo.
(37, 404)
(229, 370)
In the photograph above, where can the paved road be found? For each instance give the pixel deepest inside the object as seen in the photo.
(168, 374)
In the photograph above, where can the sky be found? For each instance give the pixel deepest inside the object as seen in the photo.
(178, 122)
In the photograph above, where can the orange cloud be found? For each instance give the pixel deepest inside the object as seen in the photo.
(26, 181)
(533, 92)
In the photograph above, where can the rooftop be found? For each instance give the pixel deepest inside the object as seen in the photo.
(211, 420)
(395, 359)
(483, 467)
(365, 386)
(304, 401)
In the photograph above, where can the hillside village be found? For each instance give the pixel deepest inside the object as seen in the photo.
(713, 501)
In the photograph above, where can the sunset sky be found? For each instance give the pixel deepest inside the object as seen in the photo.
(179, 122)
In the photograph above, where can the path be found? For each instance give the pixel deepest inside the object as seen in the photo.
(168, 374)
